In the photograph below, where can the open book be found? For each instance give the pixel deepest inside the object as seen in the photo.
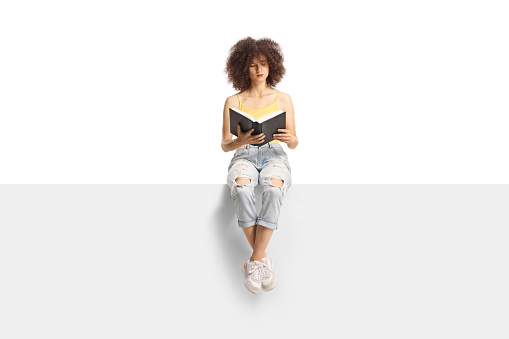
(268, 124)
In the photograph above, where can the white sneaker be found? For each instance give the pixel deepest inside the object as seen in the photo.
(268, 277)
(252, 271)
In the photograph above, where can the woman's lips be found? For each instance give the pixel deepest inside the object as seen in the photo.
(259, 75)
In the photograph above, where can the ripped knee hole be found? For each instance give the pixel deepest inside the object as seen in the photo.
(277, 182)
(243, 180)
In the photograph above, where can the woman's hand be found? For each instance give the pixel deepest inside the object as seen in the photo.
(284, 137)
(246, 137)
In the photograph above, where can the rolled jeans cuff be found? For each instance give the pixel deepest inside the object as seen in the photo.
(244, 224)
(265, 223)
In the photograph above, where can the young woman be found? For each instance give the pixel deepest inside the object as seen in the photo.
(254, 67)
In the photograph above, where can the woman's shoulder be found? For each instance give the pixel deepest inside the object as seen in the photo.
(232, 99)
(284, 98)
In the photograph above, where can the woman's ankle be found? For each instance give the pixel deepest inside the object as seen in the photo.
(256, 257)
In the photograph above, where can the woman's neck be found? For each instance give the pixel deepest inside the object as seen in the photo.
(258, 90)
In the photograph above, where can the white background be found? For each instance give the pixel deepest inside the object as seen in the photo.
(133, 92)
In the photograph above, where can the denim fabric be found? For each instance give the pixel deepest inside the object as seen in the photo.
(259, 163)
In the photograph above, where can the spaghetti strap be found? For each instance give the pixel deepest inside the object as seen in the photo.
(239, 101)
(275, 101)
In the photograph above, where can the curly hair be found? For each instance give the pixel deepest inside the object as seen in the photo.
(242, 55)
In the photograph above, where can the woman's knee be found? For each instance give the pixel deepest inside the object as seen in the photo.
(243, 180)
(276, 185)
(276, 181)
(242, 185)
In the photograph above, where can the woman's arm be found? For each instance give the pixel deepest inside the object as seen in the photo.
(287, 105)
(227, 143)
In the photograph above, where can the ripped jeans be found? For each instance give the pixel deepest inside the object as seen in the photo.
(259, 163)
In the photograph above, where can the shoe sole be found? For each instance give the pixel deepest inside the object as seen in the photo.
(271, 288)
(247, 285)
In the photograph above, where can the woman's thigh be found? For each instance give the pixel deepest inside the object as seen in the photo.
(242, 169)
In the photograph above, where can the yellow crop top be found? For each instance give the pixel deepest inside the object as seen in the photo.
(260, 112)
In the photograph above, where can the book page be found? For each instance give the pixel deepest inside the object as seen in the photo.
(270, 116)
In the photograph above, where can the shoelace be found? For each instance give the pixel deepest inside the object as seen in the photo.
(261, 266)
(253, 269)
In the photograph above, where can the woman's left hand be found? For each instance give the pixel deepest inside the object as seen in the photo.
(284, 137)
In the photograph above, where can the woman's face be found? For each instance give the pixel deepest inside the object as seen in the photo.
(260, 65)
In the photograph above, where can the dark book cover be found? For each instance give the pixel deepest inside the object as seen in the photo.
(268, 124)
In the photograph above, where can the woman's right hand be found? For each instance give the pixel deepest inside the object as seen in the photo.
(246, 137)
